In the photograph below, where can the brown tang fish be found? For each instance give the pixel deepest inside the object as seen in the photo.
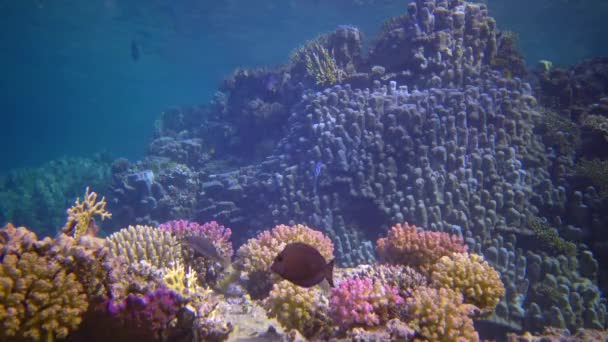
(303, 265)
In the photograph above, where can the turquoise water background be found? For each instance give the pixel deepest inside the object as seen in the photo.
(69, 86)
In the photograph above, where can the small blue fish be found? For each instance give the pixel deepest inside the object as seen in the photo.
(315, 174)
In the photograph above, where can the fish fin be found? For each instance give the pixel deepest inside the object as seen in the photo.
(329, 273)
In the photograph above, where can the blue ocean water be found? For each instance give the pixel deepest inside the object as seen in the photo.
(70, 87)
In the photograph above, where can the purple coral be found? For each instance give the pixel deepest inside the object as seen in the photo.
(152, 312)
(363, 302)
(216, 233)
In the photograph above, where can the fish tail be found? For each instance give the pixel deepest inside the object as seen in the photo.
(329, 273)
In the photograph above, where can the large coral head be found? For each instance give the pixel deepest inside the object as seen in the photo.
(406, 245)
(363, 302)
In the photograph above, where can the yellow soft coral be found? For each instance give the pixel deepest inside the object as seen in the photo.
(294, 307)
(177, 279)
(470, 275)
(81, 215)
(38, 299)
(321, 65)
(439, 315)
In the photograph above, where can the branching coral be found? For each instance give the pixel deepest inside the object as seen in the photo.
(321, 65)
(207, 268)
(81, 216)
(87, 257)
(216, 233)
(550, 239)
(404, 278)
(16, 240)
(596, 171)
(406, 245)
(38, 298)
(440, 315)
(143, 243)
(181, 281)
(303, 309)
(150, 314)
(364, 302)
(470, 275)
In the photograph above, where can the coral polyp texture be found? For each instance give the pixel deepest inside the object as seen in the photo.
(404, 278)
(39, 300)
(150, 315)
(88, 257)
(217, 234)
(145, 244)
(303, 309)
(440, 315)
(364, 302)
(470, 275)
(406, 245)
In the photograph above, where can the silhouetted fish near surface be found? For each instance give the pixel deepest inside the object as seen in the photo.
(134, 51)
(205, 247)
(303, 265)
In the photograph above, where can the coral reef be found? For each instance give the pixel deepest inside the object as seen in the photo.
(148, 316)
(216, 233)
(470, 275)
(364, 302)
(208, 270)
(258, 253)
(38, 298)
(88, 257)
(36, 197)
(418, 249)
(433, 127)
(81, 216)
(321, 65)
(404, 278)
(181, 281)
(440, 315)
(148, 244)
(294, 307)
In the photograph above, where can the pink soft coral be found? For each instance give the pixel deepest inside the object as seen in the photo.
(363, 302)
(216, 233)
(406, 245)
